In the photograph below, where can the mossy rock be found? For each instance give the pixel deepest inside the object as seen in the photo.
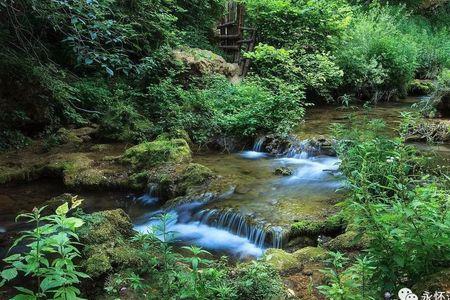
(348, 241)
(283, 171)
(160, 151)
(106, 226)
(78, 171)
(311, 254)
(203, 62)
(106, 237)
(19, 174)
(126, 256)
(97, 264)
(195, 175)
(68, 136)
(314, 228)
(280, 259)
(419, 87)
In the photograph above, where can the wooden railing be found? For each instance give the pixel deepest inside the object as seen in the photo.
(234, 37)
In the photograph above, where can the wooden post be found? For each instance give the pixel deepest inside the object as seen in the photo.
(233, 34)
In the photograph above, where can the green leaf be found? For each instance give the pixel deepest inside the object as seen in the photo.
(50, 282)
(63, 209)
(24, 290)
(24, 297)
(74, 222)
(12, 258)
(9, 274)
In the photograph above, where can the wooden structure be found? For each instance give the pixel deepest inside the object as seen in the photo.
(234, 37)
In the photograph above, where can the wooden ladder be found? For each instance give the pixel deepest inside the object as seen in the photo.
(234, 37)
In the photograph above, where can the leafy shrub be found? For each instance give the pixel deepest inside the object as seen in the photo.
(49, 258)
(34, 97)
(196, 20)
(408, 235)
(380, 165)
(316, 72)
(11, 139)
(348, 282)
(433, 45)
(258, 281)
(123, 123)
(308, 24)
(396, 204)
(439, 102)
(378, 60)
(217, 107)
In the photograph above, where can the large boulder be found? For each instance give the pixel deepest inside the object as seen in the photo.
(204, 62)
(106, 237)
(82, 171)
(313, 228)
(348, 241)
(419, 87)
(280, 259)
(160, 151)
(284, 261)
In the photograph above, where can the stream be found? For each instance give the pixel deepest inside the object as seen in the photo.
(256, 215)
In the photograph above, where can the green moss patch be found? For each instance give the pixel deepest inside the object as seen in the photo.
(332, 224)
(107, 243)
(160, 151)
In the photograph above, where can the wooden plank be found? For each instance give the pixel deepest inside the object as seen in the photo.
(226, 24)
(244, 41)
(229, 47)
(230, 36)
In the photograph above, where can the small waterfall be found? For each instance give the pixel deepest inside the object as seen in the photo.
(277, 237)
(238, 224)
(150, 198)
(258, 144)
(256, 152)
(302, 149)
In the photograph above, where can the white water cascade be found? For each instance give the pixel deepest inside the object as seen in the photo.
(230, 230)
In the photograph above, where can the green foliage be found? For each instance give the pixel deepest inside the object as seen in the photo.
(257, 280)
(10, 139)
(402, 210)
(348, 283)
(122, 122)
(316, 72)
(158, 152)
(295, 42)
(432, 42)
(196, 20)
(34, 97)
(216, 107)
(378, 168)
(109, 35)
(169, 275)
(49, 258)
(378, 60)
(409, 234)
(307, 24)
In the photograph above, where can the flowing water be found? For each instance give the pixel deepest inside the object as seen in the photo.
(258, 213)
